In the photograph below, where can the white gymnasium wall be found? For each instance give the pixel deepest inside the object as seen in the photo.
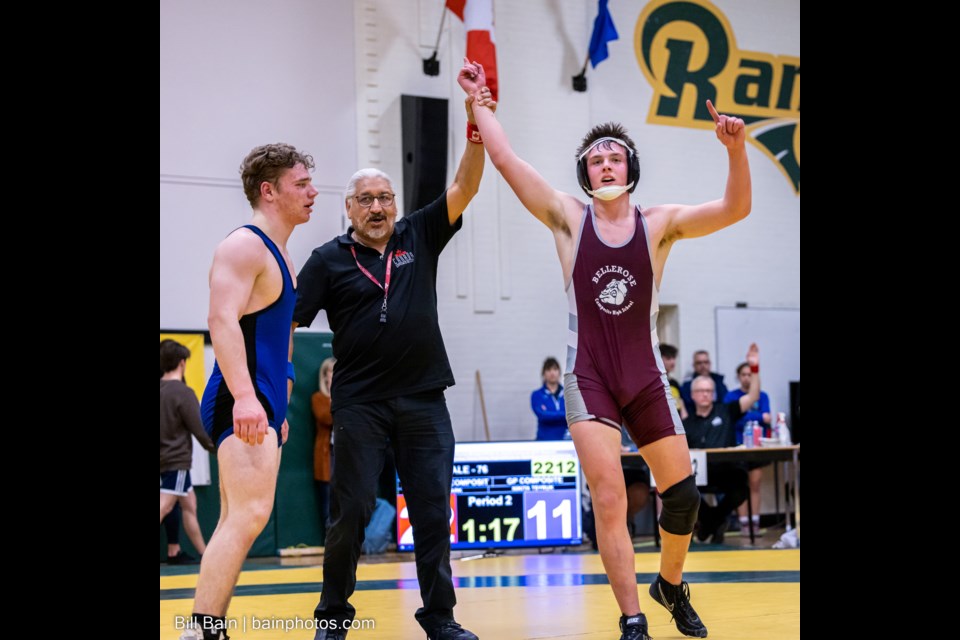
(233, 75)
(501, 300)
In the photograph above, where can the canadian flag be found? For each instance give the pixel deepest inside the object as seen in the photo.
(477, 16)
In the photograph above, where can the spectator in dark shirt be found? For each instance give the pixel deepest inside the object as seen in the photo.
(701, 367)
(711, 425)
(547, 403)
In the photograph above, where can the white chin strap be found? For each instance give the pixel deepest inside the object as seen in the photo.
(610, 192)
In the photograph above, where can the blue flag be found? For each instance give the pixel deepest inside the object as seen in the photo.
(603, 32)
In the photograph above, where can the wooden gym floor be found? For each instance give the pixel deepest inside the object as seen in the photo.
(749, 593)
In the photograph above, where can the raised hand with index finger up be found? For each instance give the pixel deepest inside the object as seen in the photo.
(471, 77)
(731, 131)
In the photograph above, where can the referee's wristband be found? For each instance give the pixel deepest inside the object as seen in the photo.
(291, 374)
(473, 133)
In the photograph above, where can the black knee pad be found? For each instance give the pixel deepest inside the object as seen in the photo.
(681, 502)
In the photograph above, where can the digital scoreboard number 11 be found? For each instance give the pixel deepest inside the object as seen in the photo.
(510, 494)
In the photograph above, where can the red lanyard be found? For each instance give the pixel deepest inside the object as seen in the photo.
(385, 286)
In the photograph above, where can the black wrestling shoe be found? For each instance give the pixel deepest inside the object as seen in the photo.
(676, 600)
(330, 634)
(205, 627)
(634, 627)
(182, 558)
(451, 631)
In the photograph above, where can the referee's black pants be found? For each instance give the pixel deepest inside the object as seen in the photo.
(418, 428)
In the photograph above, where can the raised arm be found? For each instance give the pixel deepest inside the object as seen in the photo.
(467, 181)
(753, 359)
(536, 194)
(236, 264)
(692, 221)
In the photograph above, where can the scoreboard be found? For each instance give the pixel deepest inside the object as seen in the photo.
(509, 494)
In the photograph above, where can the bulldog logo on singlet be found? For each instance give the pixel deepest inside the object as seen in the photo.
(615, 293)
(614, 297)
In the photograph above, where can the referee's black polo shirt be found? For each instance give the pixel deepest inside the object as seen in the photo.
(406, 355)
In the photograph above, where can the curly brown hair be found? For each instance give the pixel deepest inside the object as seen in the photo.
(267, 163)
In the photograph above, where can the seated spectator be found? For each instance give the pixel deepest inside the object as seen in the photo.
(668, 353)
(701, 367)
(547, 403)
(710, 425)
(760, 413)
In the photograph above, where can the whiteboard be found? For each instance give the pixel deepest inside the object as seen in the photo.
(777, 333)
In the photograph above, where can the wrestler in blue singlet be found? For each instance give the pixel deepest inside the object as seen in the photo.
(266, 337)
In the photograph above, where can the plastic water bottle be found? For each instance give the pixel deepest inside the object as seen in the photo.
(783, 431)
(757, 433)
(748, 435)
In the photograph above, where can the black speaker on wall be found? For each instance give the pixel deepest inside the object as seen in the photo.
(425, 134)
